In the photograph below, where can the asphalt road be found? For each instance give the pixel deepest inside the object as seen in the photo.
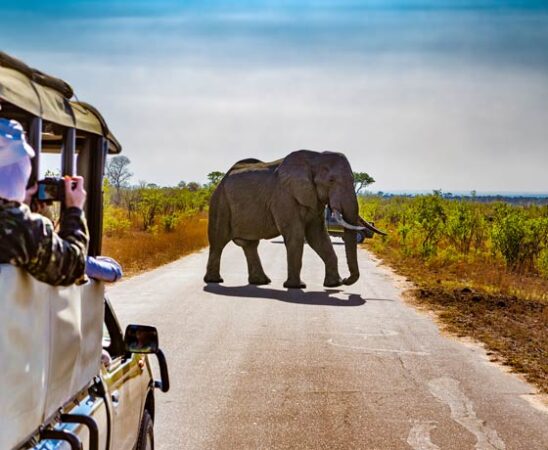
(350, 368)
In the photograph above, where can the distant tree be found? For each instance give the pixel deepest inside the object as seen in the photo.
(118, 174)
(362, 180)
(149, 204)
(193, 186)
(215, 177)
(181, 184)
(52, 173)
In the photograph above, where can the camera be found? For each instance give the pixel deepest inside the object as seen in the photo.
(52, 189)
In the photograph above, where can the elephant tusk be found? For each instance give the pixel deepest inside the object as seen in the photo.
(339, 218)
(371, 227)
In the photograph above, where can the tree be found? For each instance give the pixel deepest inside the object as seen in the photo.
(52, 173)
(181, 184)
(362, 180)
(215, 177)
(193, 186)
(118, 174)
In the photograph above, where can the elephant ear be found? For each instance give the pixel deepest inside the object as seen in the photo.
(295, 175)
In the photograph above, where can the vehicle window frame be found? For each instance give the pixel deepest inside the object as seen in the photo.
(116, 347)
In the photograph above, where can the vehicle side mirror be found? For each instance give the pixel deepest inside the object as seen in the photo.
(141, 339)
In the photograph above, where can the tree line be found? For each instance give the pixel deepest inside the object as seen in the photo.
(147, 206)
(433, 226)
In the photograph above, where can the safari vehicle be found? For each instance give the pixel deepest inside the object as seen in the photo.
(335, 229)
(70, 377)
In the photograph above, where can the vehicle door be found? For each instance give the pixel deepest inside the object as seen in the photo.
(124, 376)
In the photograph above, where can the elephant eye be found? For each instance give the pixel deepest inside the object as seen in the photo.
(331, 180)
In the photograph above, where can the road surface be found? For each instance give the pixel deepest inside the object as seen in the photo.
(349, 368)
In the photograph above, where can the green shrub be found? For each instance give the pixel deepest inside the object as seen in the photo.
(430, 219)
(518, 238)
(463, 225)
(115, 222)
(404, 228)
(169, 222)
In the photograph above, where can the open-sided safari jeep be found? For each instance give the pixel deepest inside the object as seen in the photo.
(56, 392)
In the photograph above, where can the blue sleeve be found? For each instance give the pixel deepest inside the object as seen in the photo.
(102, 268)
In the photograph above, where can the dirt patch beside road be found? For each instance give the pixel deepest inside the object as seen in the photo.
(514, 330)
(507, 312)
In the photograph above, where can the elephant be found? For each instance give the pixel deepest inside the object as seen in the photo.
(261, 200)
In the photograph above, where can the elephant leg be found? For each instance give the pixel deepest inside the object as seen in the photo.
(294, 244)
(318, 239)
(219, 235)
(213, 272)
(254, 267)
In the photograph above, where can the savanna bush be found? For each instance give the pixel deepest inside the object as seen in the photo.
(404, 226)
(429, 221)
(519, 238)
(153, 208)
(463, 225)
(115, 221)
(169, 222)
(452, 228)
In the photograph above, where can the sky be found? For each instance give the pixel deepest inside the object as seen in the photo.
(422, 95)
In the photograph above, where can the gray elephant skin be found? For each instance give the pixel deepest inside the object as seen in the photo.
(261, 200)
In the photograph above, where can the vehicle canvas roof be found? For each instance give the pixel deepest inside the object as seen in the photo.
(50, 98)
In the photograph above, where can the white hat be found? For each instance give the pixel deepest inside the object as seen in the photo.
(13, 144)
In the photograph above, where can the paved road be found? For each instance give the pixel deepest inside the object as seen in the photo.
(351, 368)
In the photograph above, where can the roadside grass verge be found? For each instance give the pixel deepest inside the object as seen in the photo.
(138, 251)
(482, 267)
(481, 298)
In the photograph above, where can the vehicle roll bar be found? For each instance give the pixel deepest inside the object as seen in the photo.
(62, 435)
(89, 423)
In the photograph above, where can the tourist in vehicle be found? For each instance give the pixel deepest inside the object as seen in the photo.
(99, 268)
(28, 240)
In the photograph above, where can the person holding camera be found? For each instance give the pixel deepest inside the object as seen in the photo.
(28, 240)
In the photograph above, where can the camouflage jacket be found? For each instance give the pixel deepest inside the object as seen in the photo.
(29, 241)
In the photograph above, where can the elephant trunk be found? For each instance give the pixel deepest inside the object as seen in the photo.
(350, 246)
(350, 220)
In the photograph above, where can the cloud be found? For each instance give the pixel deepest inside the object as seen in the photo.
(424, 98)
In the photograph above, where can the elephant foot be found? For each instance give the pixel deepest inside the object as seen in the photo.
(259, 280)
(333, 282)
(298, 284)
(213, 279)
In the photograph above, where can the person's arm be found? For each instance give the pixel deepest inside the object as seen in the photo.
(58, 259)
(29, 241)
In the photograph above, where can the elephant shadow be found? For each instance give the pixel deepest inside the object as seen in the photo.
(298, 296)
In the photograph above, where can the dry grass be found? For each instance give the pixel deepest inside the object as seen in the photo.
(138, 251)
(513, 329)
(478, 297)
(478, 271)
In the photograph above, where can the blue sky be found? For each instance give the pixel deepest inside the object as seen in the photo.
(420, 94)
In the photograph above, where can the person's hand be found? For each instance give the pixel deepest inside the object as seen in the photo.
(75, 195)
